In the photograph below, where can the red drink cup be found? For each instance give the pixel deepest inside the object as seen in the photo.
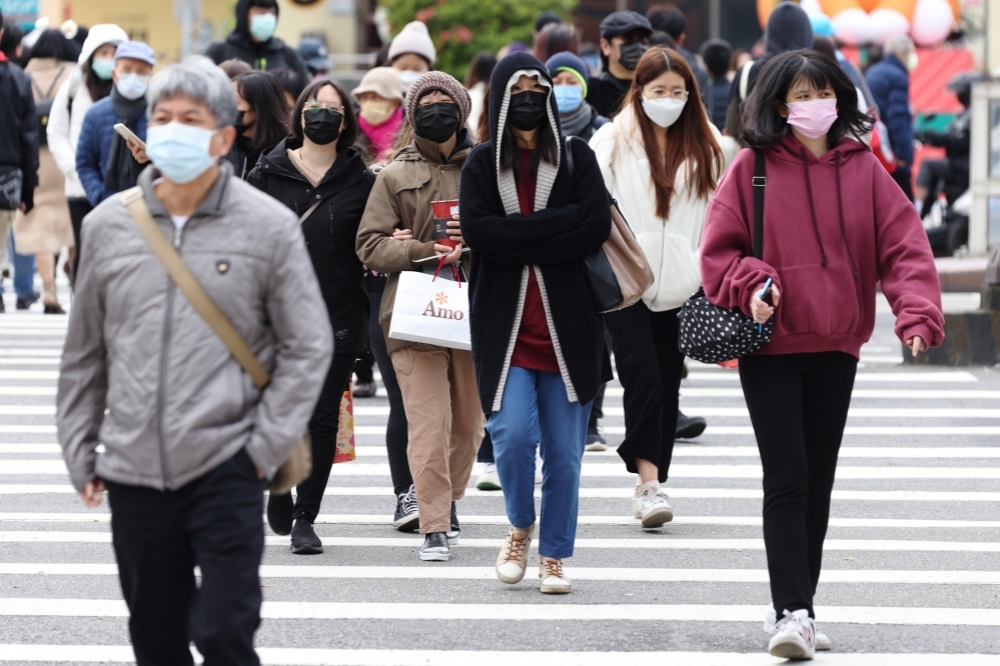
(443, 210)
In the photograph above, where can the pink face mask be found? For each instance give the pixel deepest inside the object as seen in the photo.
(814, 118)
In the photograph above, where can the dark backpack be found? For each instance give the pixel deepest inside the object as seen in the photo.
(43, 105)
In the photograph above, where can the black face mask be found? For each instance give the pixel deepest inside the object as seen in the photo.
(631, 53)
(528, 109)
(241, 123)
(437, 122)
(322, 126)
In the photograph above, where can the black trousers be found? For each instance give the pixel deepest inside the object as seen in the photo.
(639, 336)
(798, 406)
(903, 178)
(78, 209)
(396, 431)
(160, 537)
(323, 431)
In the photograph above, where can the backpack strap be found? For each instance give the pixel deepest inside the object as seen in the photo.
(569, 156)
(745, 80)
(55, 82)
(759, 182)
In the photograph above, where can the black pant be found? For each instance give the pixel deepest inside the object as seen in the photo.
(323, 432)
(365, 369)
(159, 538)
(485, 454)
(651, 401)
(396, 432)
(78, 209)
(903, 178)
(798, 406)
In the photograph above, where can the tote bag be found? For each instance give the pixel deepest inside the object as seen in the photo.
(431, 310)
(345, 428)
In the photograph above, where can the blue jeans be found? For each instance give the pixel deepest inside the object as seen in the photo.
(535, 402)
(24, 271)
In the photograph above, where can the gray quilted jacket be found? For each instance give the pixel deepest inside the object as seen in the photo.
(144, 375)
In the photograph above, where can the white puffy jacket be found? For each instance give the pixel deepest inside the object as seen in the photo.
(671, 245)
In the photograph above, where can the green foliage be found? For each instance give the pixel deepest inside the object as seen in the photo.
(462, 28)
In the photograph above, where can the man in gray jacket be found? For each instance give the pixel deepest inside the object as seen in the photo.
(188, 440)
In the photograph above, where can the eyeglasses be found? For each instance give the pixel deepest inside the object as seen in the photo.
(325, 106)
(660, 93)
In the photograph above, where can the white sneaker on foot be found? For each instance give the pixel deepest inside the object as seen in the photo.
(512, 561)
(551, 577)
(795, 636)
(489, 479)
(822, 640)
(651, 505)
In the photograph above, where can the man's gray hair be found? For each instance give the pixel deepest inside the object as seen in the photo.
(199, 79)
(899, 45)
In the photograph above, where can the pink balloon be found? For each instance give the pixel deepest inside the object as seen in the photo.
(932, 22)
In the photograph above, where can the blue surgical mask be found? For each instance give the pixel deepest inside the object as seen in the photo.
(132, 86)
(179, 151)
(568, 98)
(102, 67)
(262, 26)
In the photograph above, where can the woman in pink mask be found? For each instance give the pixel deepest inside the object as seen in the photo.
(835, 224)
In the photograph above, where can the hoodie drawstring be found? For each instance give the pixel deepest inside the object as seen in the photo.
(812, 206)
(843, 225)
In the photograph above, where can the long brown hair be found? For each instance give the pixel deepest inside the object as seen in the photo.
(690, 138)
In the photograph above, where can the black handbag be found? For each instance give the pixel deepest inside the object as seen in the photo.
(11, 181)
(711, 334)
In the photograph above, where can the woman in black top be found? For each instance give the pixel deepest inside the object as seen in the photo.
(316, 173)
(261, 119)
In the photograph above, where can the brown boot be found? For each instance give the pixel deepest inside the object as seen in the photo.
(50, 299)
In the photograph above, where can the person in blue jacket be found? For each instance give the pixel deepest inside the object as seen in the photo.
(104, 160)
(889, 80)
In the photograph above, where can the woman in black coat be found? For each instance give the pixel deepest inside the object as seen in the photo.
(537, 340)
(316, 173)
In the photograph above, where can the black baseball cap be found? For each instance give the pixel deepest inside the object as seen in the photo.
(619, 23)
(546, 18)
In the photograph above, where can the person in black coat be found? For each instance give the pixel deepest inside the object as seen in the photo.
(316, 174)
(253, 40)
(262, 119)
(537, 341)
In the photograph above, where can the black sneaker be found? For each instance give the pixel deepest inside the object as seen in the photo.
(25, 303)
(435, 548)
(304, 539)
(366, 390)
(456, 530)
(689, 427)
(2, 307)
(279, 513)
(407, 518)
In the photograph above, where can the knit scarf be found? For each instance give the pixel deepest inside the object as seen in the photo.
(575, 123)
(381, 135)
(118, 169)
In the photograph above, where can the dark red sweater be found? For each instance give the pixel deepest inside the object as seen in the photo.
(826, 264)
(533, 349)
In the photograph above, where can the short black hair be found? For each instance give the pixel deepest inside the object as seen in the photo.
(824, 46)
(291, 81)
(264, 4)
(716, 54)
(669, 19)
(350, 132)
(762, 125)
(660, 38)
(53, 44)
(263, 93)
(11, 38)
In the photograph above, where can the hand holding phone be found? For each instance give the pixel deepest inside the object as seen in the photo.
(129, 135)
(761, 310)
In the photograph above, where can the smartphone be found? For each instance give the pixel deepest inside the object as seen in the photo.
(765, 293)
(129, 135)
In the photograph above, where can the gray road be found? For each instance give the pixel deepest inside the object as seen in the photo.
(912, 569)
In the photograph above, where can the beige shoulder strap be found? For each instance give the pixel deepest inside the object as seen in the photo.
(745, 80)
(188, 284)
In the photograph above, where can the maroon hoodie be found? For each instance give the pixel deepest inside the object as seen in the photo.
(833, 228)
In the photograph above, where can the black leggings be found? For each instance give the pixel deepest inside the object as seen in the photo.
(396, 434)
(798, 406)
(639, 337)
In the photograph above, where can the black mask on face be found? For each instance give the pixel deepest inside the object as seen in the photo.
(437, 122)
(241, 123)
(322, 126)
(631, 53)
(528, 110)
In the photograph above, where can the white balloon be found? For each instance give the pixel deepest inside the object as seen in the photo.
(852, 26)
(886, 23)
(811, 6)
(932, 22)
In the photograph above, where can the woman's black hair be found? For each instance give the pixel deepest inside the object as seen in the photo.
(97, 87)
(480, 69)
(349, 134)
(266, 98)
(762, 125)
(53, 44)
(546, 142)
(291, 81)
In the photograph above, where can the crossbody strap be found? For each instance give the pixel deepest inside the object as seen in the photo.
(188, 284)
(759, 183)
(309, 211)
(745, 81)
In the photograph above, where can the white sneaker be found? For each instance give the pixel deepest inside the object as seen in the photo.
(795, 636)
(538, 471)
(512, 561)
(488, 479)
(651, 505)
(822, 640)
(551, 577)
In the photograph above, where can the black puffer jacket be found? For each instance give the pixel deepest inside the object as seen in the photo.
(575, 221)
(330, 232)
(18, 130)
(272, 54)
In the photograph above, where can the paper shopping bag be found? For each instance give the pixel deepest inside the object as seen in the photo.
(345, 428)
(429, 310)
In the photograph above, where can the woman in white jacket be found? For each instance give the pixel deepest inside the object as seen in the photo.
(89, 82)
(661, 158)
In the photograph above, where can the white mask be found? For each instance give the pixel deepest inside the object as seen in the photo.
(408, 76)
(665, 111)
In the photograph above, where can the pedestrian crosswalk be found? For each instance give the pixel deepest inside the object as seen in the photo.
(911, 577)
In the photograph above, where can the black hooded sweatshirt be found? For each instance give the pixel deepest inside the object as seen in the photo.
(269, 55)
(572, 220)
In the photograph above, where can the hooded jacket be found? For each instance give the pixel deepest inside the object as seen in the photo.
(833, 228)
(330, 232)
(94, 147)
(889, 82)
(272, 54)
(572, 219)
(18, 128)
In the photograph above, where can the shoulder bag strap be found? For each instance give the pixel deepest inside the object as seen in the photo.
(759, 182)
(188, 284)
(569, 156)
(309, 211)
(745, 81)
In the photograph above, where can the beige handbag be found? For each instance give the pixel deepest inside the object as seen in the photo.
(299, 464)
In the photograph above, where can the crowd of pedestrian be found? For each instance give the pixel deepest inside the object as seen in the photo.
(244, 232)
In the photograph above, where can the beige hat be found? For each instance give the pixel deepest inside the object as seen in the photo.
(383, 81)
